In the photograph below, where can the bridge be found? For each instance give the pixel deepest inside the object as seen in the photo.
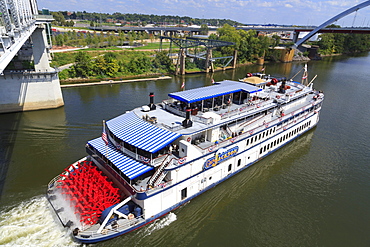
(191, 42)
(27, 82)
(171, 31)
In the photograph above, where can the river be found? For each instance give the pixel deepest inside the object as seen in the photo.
(313, 192)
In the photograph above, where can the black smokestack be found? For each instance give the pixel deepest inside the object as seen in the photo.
(151, 104)
(282, 87)
(187, 122)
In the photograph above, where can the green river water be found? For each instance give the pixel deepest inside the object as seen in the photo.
(313, 192)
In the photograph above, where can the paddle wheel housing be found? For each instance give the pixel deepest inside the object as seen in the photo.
(88, 190)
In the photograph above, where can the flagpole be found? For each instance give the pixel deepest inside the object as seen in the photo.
(305, 75)
(105, 139)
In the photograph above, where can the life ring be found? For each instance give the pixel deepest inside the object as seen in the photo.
(278, 96)
(188, 139)
(130, 216)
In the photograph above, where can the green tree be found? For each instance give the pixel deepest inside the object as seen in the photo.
(83, 66)
(326, 43)
(203, 29)
(140, 64)
(163, 62)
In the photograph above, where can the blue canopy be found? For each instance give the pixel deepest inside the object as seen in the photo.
(130, 167)
(219, 89)
(135, 131)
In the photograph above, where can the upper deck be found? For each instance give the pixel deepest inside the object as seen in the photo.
(226, 110)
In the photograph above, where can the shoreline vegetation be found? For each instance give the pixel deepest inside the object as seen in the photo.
(110, 82)
(106, 59)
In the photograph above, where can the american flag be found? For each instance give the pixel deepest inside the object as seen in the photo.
(230, 99)
(304, 77)
(183, 85)
(213, 81)
(104, 135)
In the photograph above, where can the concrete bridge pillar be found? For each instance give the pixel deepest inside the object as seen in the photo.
(208, 60)
(235, 57)
(287, 55)
(41, 55)
(182, 62)
(295, 36)
(25, 90)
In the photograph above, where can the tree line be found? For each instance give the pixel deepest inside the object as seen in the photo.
(137, 19)
(249, 44)
(118, 64)
(342, 43)
(98, 39)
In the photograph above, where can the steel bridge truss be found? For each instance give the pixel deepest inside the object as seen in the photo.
(332, 20)
(191, 42)
(17, 23)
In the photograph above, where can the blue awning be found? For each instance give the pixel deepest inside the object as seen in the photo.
(130, 167)
(135, 131)
(218, 89)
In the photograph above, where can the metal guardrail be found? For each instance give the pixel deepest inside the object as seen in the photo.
(113, 230)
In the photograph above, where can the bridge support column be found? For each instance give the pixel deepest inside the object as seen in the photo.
(41, 55)
(235, 57)
(182, 62)
(287, 55)
(208, 60)
(25, 90)
(295, 36)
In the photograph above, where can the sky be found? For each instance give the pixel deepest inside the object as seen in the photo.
(285, 12)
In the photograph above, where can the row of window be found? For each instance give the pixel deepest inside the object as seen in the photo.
(261, 135)
(285, 137)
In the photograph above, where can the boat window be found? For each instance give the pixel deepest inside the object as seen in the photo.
(229, 168)
(184, 193)
(239, 162)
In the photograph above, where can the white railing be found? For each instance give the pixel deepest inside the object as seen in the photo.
(261, 127)
(107, 232)
(154, 179)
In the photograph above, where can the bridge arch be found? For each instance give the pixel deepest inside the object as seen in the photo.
(330, 21)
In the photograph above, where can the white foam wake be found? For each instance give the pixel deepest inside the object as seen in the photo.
(31, 223)
(161, 223)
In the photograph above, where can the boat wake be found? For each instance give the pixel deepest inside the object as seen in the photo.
(161, 223)
(31, 223)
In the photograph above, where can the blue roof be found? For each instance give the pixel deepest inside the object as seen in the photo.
(139, 133)
(218, 89)
(130, 167)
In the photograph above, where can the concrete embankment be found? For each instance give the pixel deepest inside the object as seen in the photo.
(114, 82)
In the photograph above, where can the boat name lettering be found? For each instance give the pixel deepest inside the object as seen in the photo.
(221, 155)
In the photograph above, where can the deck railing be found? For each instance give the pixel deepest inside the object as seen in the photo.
(113, 230)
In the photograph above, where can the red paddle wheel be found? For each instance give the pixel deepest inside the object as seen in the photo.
(89, 191)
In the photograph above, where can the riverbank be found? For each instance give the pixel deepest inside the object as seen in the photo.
(113, 82)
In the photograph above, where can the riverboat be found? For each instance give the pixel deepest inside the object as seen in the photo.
(155, 158)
